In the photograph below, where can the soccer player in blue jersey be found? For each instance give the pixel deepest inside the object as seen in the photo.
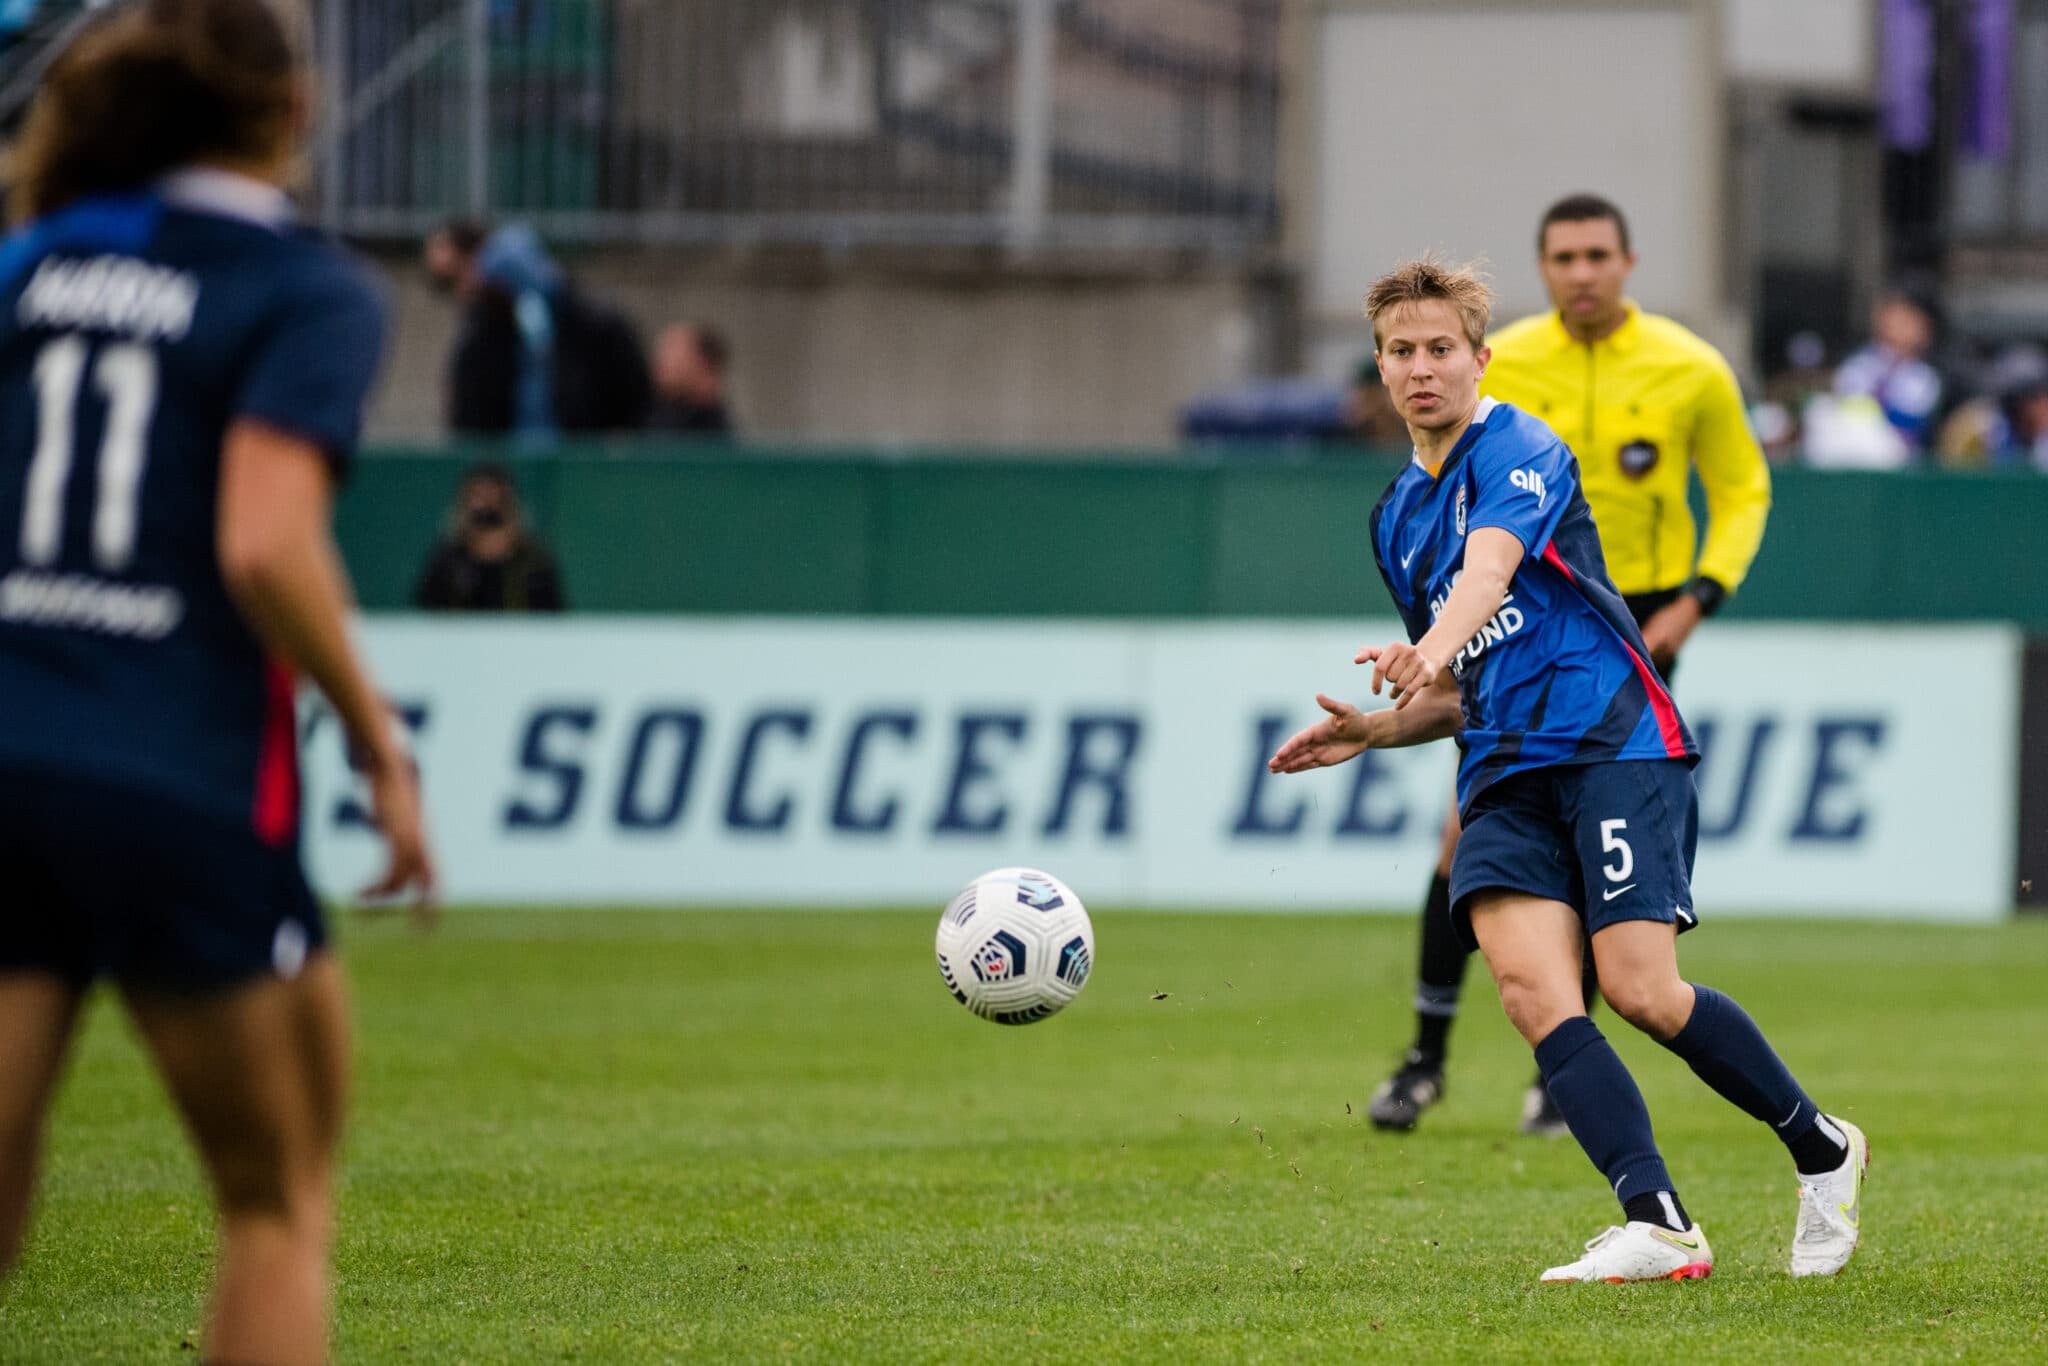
(182, 376)
(1574, 783)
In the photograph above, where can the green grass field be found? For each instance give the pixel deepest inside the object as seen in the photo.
(626, 1137)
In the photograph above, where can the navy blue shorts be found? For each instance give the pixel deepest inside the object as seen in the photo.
(103, 882)
(1614, 841)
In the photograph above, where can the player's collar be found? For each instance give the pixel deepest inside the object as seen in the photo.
(1479, 416)
(228, 194)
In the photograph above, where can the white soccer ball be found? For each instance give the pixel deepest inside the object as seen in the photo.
(1015, 946)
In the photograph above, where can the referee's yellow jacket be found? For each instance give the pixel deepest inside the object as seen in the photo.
(1640, 408)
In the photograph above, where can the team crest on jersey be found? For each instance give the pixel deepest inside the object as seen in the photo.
(1461, 509)
(1638, 458)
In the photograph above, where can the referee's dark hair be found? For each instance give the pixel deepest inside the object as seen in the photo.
(1582, 208)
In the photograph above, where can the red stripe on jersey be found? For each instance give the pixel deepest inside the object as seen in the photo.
(1660, 701)
(276, 814)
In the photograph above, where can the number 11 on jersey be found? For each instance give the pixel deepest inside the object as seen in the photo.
(126, 378)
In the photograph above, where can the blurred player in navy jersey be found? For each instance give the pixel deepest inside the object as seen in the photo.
(1574, 783)
(182, 375)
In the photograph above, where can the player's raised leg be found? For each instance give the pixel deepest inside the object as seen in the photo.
(261, 1076)
(38, 1012)
(1717, 1038)
(1534, 948)
(1418, 1082)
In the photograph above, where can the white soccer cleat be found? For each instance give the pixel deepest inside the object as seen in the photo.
(1831, 1210)
(1640, 1251)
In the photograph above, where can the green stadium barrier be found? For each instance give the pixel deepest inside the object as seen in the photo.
(759, 530)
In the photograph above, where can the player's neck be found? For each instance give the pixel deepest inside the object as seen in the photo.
(281, 174)
(1434, 445)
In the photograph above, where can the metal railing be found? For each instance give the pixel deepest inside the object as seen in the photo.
(841, 122)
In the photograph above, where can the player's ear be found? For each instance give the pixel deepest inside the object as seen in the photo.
(1485, 354)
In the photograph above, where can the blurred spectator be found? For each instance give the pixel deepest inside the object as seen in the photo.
(535, 356)
(1779, 417)
(489, 561)
(1369, 416)
(2015, 368)
(1776, 429)
(690, 361)
(1893, 369)
(2026, 435)
(1974, 434)
(1851, 432)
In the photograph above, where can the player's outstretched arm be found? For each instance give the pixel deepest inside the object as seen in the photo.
(1348, 732)
(278, 560)
(1344, 734)
(1434, 713)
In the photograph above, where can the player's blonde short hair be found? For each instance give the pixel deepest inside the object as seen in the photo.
(1462, 287)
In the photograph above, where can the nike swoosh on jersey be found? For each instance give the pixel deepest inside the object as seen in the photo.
(1609, 896)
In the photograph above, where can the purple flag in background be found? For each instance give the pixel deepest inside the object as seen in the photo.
(1906, 74)
(1986, 131)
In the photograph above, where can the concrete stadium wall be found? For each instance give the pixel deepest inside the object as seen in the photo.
(941, 348)
(1446, 127)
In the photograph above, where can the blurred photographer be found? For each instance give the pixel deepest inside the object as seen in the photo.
(489, 561)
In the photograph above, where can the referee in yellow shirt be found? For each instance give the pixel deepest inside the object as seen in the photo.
(1642, 402)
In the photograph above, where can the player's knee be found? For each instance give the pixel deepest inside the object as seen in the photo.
(252, 1173)
(1535, 1007)
(1656, 1006)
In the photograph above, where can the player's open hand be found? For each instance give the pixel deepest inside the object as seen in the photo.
(395, 808)
(1400, 667)
(1341, 735)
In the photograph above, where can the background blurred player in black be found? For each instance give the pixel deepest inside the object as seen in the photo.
(182, 374)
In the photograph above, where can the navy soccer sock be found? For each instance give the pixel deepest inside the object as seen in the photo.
(1441, 975)
(1599, 1100)
(1723, 1045)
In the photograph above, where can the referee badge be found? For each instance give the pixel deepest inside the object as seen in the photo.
(1638, 458)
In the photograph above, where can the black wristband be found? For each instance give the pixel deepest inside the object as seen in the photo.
(1708, 593)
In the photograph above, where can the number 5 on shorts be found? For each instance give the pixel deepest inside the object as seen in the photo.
(1612, 842)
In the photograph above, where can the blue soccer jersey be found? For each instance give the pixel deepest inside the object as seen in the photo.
(133, 331)
(1560, 675)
